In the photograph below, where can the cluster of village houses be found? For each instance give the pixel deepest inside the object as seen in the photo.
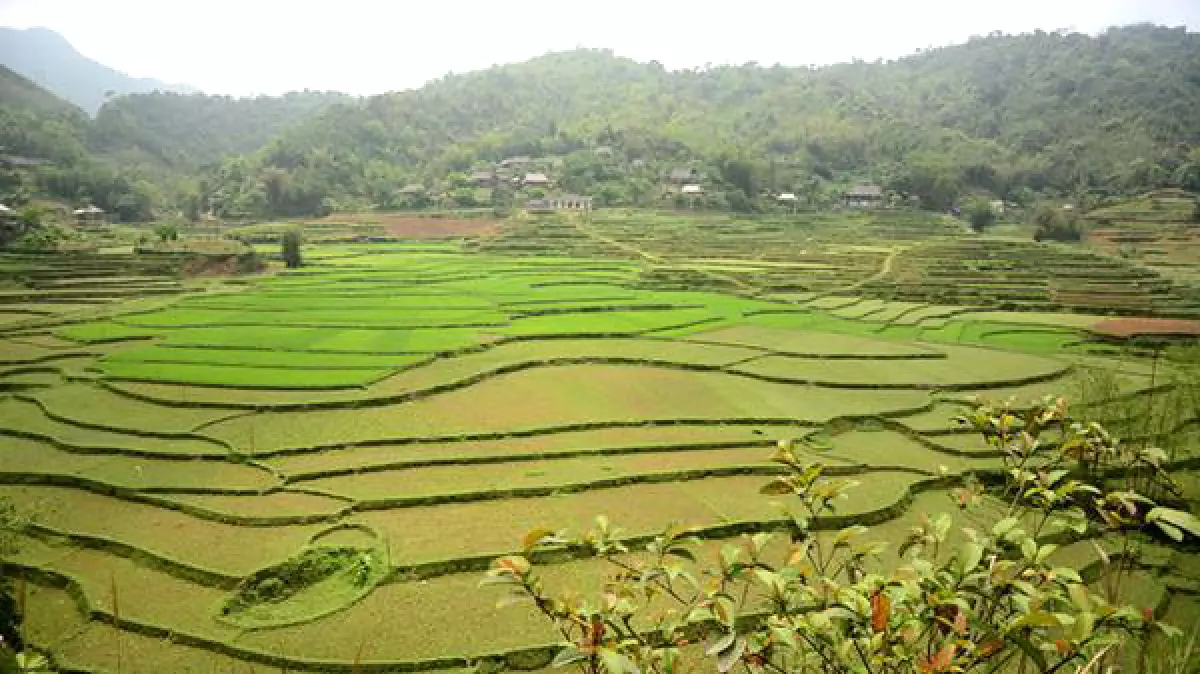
(517, 172)
(521, 172)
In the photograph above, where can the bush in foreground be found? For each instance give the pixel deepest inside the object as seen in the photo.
(964, 600)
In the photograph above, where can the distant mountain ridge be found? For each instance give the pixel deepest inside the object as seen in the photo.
(49, 60)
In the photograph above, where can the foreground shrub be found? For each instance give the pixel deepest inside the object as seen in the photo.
(958, 600)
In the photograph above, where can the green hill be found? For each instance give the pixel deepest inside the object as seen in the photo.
(36, 123)
(185, 131)
(1011, 115)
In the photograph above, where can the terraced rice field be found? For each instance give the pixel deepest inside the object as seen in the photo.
(422, 406)
(1025, 276)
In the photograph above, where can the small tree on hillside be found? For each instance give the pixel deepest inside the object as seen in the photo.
(980, 215)
(291, 249)
(167, 232)
(1055, 224)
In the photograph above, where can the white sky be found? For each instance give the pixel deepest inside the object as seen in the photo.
(242, 47)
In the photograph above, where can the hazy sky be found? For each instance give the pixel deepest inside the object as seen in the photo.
(363, 46)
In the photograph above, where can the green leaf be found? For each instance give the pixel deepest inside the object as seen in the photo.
(843, 537)
(1004, 526)
(760, 540)
(1181, 520)
(1029, 549)
(730, 657)
(719, 642)
(1044, 552)
(1039, 659)
(1172, 531)
(567, 655)
(533, 538)
(969, 556)
(616, 663)
(1085, 624)
(1068, 574)
(1034, 619)
(777, 487)
(1054, 476)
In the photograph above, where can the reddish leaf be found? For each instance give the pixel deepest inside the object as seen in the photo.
(881, 609)
(1062, 646)
(940, 662)
(989, 648)
(594, 633)
(960, 623)
(1148, 615)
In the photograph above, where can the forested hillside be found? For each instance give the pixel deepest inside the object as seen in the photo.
(142, 153)
(185, 131)
(48, 59)
(1010, 115)
(35, 122)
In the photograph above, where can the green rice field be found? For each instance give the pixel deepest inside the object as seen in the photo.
(417, 407)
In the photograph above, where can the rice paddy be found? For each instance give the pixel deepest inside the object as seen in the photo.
(414, 408)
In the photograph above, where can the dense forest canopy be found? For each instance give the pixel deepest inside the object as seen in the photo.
(1013, 117)
(186, 131)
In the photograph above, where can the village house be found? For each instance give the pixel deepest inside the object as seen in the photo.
(692, 190)
(14, 161)
(864, 196)
(515, 162)
(89, 215)
(567, 202)
(535, 180)
(683, 176)
(483, 179)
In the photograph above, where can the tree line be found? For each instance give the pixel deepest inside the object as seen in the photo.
(1018, 118)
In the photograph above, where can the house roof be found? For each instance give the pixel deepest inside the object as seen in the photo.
(786, 196)
(88, 210)
(14, 160)
(536, 178)
(412, 188)
(692, 189)
(865, 192)
(680, 175)
(482, 175)
(5, 209)
(511, 161)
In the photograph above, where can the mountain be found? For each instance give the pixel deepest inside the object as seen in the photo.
(185, 131)
(36, 123)
(1015, 116)
(142, 152)
(48, 59)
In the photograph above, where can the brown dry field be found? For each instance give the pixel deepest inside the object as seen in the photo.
(1130, 327)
